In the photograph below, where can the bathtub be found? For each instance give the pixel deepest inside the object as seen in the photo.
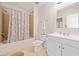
(20, 47)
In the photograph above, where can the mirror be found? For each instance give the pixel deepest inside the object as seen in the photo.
(67, 15)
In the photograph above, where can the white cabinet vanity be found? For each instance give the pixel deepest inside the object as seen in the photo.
(58, 45)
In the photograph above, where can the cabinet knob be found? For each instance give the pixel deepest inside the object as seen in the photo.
(62, 48)
(59, 46)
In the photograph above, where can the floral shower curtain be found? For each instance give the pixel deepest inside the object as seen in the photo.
(18, 25)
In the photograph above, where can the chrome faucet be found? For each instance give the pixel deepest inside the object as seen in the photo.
(64, 33)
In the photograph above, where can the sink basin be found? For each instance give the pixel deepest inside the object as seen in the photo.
(61, 34)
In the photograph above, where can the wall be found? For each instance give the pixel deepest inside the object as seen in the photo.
(47, 17)
(63, 13)
(35, 21)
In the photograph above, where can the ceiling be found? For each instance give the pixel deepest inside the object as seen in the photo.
(23, 5)
(64, 5)
(29, 5)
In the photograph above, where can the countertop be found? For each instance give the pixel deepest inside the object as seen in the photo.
(71, 37)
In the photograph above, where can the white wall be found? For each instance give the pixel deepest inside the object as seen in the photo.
(47, 14)
(35, 20)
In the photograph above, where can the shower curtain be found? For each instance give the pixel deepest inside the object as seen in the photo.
(18, 25)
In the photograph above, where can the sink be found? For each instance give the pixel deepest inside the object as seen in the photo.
(62, 34)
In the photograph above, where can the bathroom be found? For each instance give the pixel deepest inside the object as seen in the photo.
(39, 28)
(19, 30)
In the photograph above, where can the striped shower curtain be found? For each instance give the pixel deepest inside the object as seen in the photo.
(18, 25)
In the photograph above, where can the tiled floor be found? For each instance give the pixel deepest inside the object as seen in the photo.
(28, 51)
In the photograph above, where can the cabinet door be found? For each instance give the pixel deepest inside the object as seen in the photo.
(53, 47)
(69, 51)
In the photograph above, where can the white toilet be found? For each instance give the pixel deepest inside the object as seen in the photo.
(37, 45)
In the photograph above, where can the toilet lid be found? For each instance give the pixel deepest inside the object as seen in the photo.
(37, 43)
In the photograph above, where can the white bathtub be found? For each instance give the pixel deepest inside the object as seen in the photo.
(10, 48)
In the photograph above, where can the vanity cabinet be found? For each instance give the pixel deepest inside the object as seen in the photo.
(53, 47)
(62, 47)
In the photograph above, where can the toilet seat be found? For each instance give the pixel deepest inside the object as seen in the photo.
(37, 43)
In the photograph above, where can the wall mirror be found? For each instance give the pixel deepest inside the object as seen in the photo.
(67, 15)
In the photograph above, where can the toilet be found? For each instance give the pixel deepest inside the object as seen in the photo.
(37, 45)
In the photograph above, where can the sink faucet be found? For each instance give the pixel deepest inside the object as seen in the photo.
(60, 33)
(64, 33)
